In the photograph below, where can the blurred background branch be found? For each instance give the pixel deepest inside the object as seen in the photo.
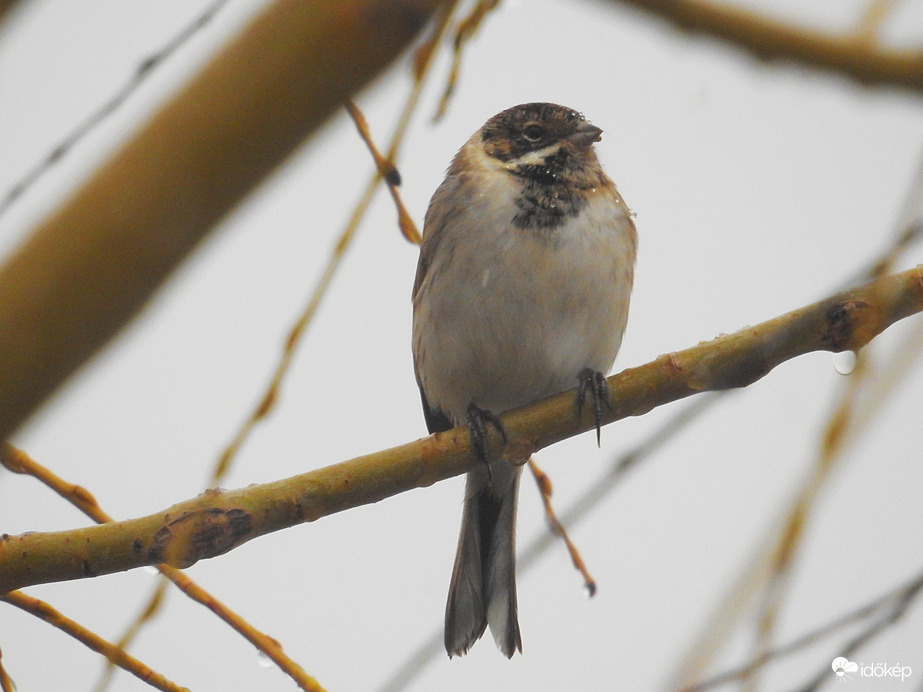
(851, 55)
(89, 268)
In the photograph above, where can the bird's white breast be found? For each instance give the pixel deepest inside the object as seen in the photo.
(507, 315)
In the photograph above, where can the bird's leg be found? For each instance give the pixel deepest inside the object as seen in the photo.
(598, 386)
(477, 426)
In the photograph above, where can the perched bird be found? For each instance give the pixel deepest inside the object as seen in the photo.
(521, 291)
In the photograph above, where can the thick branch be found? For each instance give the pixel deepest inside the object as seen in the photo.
(6, 5)
(90, 267)
(854, 56)
(219, 521)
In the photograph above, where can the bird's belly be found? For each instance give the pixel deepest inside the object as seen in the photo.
(518, 321)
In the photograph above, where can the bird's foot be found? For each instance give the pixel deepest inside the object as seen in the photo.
(478, 418)
(594, 382)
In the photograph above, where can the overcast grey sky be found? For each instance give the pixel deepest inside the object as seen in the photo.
(758, 188)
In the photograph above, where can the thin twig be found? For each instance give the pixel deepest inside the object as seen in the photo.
(151, 609)
(768, 563)
(464, 32)
(903, 600)
(144, 70)
(6, 684)
(263, 642)
(874, 16)
(545, 491)
(385, 166)
(841, 427)
(785, 551)
(422, 62)
(19, 462)
(388, 171)
(889, 607)
(118, 656)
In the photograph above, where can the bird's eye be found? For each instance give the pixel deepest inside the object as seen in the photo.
(533, 132)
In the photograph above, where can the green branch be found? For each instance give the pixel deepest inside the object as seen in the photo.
(218, 521)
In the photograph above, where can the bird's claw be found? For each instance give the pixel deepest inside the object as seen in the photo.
(477, 426)
(594, 382)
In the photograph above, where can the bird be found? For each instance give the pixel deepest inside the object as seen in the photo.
(522, 291)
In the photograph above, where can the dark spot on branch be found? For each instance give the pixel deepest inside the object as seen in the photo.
(841, 323)
(200, 534)
(392, 176)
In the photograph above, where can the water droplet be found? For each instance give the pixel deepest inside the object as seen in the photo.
(263, 660)
(844, 362)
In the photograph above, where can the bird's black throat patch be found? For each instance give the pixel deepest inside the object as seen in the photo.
(551, 193)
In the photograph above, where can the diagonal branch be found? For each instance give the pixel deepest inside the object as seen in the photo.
(874, 616)
(218, 521)
(93, 264)
(18, 461)
(114, 653)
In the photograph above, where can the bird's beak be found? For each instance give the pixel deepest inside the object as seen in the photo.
(586, 134)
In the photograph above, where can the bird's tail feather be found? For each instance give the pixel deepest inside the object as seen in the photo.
(482, 592)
